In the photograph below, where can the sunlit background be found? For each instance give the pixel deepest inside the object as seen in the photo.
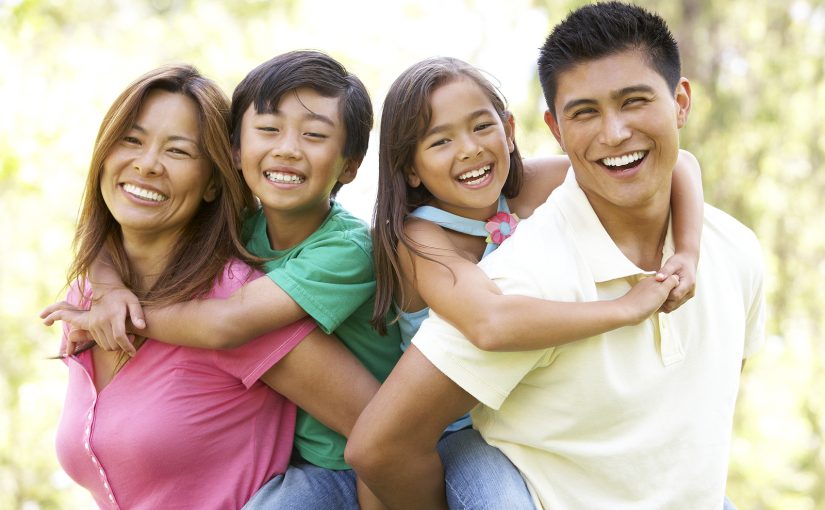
(756, 67)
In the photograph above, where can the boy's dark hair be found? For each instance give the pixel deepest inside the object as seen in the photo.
(596, 31)
(265, 85)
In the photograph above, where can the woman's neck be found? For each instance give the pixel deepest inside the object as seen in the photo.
(148, 257)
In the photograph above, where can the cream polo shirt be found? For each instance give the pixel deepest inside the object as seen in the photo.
(637, 418)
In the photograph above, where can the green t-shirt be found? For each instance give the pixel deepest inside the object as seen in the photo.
(331, 276)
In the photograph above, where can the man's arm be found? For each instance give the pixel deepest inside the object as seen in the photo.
(393, 445)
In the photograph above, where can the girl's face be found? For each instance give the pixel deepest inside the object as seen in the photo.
(156, 176)
(463, 159)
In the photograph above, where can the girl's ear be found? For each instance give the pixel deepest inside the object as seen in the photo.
(236, 157)
(412, 178)
(510, 131)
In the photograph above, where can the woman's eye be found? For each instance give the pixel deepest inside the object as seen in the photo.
(131, 140)
(180, 152)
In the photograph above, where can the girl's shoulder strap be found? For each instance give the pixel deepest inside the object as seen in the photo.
(458, 223)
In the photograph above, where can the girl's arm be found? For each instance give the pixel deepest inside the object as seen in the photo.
(458, 290)
(687, 209)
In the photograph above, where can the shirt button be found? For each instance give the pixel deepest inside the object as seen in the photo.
(86, 444)
(101, 472)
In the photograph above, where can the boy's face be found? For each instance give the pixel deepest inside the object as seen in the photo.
(618, 121)
(292, 158)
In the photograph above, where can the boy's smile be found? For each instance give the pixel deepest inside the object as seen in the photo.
(291, 158)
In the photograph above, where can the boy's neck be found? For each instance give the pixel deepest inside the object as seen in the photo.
(286, 229)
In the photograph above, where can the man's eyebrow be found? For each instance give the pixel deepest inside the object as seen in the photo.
(616, 94)
(443, 127)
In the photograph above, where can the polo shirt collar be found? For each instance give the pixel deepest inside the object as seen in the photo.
(605, 260)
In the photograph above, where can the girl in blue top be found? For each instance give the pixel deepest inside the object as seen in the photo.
(452, 187)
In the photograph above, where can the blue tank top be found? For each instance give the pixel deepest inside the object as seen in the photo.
(410, 322)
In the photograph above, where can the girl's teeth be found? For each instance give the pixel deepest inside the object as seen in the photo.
(145, 194)
(624, 160)
(284, 177)
(472, 174)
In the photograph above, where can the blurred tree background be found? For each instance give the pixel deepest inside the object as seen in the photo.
(756, 67)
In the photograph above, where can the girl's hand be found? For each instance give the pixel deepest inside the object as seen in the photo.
(683, 266)
(646, 298)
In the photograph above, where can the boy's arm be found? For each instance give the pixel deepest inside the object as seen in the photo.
(687, 208)
(257, 307)
(460, 292)
(393, 445)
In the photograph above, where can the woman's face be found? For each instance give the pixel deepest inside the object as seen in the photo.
(156, 175)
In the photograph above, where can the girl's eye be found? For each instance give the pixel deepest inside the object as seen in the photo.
(483, 126)
(268, 129)
(439, 142)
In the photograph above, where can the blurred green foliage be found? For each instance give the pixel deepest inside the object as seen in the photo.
(756, 69)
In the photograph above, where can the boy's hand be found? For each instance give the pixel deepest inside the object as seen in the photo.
(105, 323)
(646, 298)
(683, 266)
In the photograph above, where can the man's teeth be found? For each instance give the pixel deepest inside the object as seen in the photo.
(474, 176)
(283, 177)
(145, 194)
(624, 160)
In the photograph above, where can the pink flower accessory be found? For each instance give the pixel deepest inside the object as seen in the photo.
(501, 226)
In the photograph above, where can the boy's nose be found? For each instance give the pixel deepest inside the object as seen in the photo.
(287, 147)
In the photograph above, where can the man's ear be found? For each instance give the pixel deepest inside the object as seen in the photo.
(683, 102)
(551, 122)
(510, 131)
(349, 171)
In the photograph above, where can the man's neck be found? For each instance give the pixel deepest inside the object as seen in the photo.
(639, 232)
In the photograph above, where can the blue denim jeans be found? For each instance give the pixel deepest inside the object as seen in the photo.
(306, 486)
(477, 475)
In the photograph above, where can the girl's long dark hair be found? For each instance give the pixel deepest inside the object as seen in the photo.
(406, 115)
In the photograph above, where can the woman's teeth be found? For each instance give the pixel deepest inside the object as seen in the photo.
(145, 194)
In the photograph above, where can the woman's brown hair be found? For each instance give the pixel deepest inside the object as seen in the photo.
(405, 117)
(212, 236)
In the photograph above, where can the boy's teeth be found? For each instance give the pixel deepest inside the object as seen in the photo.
(284, 177)
(474, 173)
(145, 194)
(624, 160)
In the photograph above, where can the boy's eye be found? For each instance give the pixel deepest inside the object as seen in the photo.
(316, 135)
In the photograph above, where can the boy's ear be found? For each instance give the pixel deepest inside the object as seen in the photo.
(510, 132)
(349, 171)
(551, 122)
(236, 157)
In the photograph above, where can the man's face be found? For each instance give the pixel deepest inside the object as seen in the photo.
(618, 121)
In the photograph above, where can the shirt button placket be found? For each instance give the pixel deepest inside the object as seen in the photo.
(87, 443)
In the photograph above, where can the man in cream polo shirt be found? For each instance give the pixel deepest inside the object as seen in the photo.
(637, 418)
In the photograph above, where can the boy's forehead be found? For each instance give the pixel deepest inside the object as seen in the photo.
(303, 99)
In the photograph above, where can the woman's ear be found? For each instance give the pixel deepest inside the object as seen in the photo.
(211, 191)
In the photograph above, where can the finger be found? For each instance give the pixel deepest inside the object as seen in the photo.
(53, 308)
(136, 315)
(670, 268)
(57, 315)
(122, 339)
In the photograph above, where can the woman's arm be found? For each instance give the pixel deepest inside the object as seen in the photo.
(687, 209)
(458, 290)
